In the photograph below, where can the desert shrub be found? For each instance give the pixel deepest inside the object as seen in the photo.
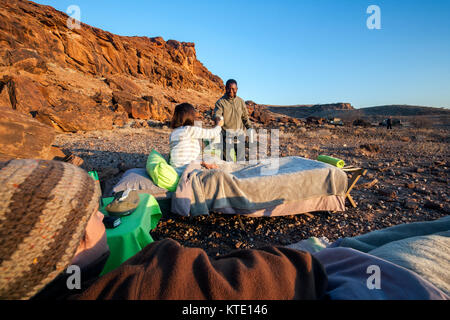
(361, 123)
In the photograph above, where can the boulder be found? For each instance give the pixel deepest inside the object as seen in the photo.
(23, 59)
(119, 82)
(144, 108)
(72, 112)
(120, 117)
(73, 117)
(23, 137)
(27, 95)
(135, 107)
(260, 114)
(158, 112)
(6, 87)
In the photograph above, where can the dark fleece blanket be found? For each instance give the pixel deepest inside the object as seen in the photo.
(166, 270)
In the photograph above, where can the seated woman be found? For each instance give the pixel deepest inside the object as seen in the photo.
(184, 144)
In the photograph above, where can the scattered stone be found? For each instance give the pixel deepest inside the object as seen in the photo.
(74, 160)
(370, 147)
(422, 190)
(409, 204)
(410, 185)
(433, 205)
(389, 194)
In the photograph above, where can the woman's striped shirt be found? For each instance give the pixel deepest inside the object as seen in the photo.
(185, 144)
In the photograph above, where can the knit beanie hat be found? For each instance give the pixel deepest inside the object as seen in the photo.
(44, 210)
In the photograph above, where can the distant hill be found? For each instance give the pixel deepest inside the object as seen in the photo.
(388, 110)
(304, 111)
(345, 110)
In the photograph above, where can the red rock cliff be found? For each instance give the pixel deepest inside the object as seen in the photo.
(87, 78)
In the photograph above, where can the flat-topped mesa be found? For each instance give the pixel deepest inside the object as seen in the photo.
(38, 48)
(333, 106)
(308, 110)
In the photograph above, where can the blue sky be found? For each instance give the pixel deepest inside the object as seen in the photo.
(301, 51)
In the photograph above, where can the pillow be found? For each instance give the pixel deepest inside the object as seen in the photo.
(139, 180)
(162, 174)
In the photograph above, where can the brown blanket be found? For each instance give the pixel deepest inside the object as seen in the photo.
(252, 187)
(166, 270)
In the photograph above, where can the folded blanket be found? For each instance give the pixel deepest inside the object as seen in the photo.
(375, 239)
(422, 247)
(257, 186)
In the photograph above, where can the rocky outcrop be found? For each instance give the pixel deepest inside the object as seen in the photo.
(259, 113)
(25, 138)
(261, 116)
(71, 78)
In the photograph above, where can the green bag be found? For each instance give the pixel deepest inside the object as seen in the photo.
(330, 160)
(162, 174)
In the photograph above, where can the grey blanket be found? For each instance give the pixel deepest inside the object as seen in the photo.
(249, 187)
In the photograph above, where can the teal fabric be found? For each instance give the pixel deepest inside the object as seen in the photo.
(370, 241)
(163, 175)
(133, 234)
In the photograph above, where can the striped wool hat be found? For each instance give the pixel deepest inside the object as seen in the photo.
(44, 209)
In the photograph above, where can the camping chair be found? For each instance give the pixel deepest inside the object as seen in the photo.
(356, 173)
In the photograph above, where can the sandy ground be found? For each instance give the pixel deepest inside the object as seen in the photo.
(407, 181)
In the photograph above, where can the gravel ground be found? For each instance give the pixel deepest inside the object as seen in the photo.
(407, 181)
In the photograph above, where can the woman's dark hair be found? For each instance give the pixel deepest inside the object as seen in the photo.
(184, 115)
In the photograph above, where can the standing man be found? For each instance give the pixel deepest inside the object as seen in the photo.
(235, 115)
(389, 123)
